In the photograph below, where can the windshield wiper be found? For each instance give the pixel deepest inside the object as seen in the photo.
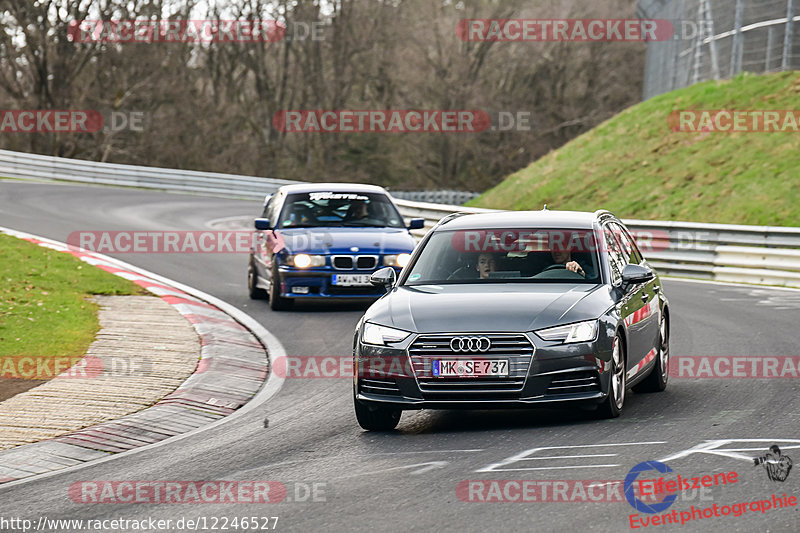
(363, 224)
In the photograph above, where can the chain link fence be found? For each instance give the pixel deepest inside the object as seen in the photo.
(716, 39)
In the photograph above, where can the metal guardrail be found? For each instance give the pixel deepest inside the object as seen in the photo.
(437, 197)
(736, 253)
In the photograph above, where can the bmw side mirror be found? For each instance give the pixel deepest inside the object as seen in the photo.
(635, 274)
(416, 223)
(384, 277)
(262, 224)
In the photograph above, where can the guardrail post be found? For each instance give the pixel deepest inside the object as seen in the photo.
(736, 46)
(787, 36)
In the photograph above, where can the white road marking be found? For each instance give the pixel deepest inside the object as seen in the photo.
(431, 465)
(572, 456)
(713, 447)
(525, 456)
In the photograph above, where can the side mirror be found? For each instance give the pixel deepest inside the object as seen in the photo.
(262, 224)
(384, 277)
(416, 223)
(635, 274)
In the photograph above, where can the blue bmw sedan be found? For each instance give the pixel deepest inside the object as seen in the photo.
(321, 241)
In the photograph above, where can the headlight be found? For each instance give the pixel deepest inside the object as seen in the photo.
(380, 335)
(305, 260)
(399, 260)
(578, 332)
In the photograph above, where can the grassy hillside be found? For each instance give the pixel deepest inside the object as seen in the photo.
(634, 165)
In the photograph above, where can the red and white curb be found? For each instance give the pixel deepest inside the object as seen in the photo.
(236, 355)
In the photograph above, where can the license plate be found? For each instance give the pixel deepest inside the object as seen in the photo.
(443, 368)
(350, 280)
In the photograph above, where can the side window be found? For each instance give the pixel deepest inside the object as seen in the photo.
(615, 259)
(630, 253)
(267, 206)
(271, 210)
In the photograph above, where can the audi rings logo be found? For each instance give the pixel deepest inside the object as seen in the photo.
(470, 344)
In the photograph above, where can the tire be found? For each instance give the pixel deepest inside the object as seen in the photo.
(618, 382)
(657, 380)
(277, 303)
(255, 292)
(376, 417)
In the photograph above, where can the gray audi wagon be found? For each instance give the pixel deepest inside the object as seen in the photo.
(513, 309)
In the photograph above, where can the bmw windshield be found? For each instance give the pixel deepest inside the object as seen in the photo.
(507, 256)
(339, 209)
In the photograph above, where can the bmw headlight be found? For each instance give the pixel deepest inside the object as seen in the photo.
(398, 260)
(577, 332)
(305, 260)
(381, 335)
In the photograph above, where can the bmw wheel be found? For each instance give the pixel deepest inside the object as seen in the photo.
(256, 293)
(275, 301)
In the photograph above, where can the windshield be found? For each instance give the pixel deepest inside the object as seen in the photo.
(507, 256)
(326, 209)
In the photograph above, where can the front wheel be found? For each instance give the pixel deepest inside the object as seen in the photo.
(277, 303)
(256, 293)
(656, 381)
(612, 406)
(376, 417)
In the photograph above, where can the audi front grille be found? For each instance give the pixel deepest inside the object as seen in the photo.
(514, 347)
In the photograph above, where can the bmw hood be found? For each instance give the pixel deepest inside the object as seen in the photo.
(343, 240)
(516, 307)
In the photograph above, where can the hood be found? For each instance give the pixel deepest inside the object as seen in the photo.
(341, 240)
(507, 307)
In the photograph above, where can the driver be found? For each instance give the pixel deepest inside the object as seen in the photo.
(564, 257)
(359, 211)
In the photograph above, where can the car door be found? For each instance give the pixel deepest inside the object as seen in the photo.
(651, 315)
(631, 303)
(644, 322)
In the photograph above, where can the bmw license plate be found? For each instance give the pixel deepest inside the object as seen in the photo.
(464, 368)
(350, 280)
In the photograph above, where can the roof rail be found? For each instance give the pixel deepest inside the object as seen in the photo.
(451, 216)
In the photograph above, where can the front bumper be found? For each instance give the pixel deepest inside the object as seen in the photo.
(318, 284)
(554, 373)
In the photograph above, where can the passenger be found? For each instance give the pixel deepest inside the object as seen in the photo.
(480, 269)
(485, 265)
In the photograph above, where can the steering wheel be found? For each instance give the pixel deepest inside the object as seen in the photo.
(555, 266)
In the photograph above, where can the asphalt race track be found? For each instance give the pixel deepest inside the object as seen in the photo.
(406, 480)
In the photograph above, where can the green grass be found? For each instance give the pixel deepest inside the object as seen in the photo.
(635, 166)
(44, 311)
